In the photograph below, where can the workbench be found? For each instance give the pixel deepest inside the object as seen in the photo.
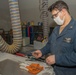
(9, 65)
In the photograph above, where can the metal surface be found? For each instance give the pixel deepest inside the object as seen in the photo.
(9, 67)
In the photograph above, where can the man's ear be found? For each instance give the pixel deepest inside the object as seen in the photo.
(64, 11)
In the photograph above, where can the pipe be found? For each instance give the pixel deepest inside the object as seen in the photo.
(44, 16)
(16, 27)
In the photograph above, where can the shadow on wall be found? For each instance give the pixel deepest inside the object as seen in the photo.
(5, 24)
(52, 24)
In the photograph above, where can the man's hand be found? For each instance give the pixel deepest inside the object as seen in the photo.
(37, 54)
(50, 60)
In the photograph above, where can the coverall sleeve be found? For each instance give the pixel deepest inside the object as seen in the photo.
(67, 59)
(46, 49)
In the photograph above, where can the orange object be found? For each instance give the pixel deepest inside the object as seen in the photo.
(20, 54)
(34, 68)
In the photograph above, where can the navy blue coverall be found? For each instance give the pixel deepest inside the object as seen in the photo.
(63, 46)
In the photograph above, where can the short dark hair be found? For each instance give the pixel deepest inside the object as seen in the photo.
(59, 5)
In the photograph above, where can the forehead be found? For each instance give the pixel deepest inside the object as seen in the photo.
(54, 11)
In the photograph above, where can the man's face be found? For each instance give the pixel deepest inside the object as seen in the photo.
(58, 16)
(55, 13)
